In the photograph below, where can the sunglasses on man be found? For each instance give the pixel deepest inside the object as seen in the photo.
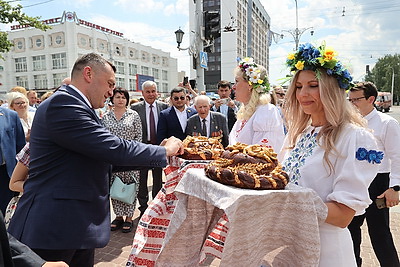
(176, 98)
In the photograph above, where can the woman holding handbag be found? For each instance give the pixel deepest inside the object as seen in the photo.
(126, 124)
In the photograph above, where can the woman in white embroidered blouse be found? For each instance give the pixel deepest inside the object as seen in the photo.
(258, 121)
(327, 147)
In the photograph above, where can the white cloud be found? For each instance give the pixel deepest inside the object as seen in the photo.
(142, 6)
(78, 3)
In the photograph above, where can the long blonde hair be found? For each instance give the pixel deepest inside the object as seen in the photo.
(338, 112)
(247, 110)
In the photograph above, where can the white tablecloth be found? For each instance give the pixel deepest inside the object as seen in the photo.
(260, 222)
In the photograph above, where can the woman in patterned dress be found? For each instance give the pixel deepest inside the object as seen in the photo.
(126, 124)
(327, 147)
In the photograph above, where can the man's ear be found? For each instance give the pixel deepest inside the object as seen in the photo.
(87, 74)
(371, 99)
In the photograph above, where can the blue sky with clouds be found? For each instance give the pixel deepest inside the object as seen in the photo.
(365, 31)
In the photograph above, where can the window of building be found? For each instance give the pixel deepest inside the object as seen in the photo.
(120, 66)
(83, 41)
(40, 81)
(38, 42)
(165, 87)
(119, 82)
(155, 59)
(20, 45)
(39, 62)
(164, 75)
(132, 69)
(22, 81)
(20, 64)
(59, 60)
(145, 56)
(145, 70)
(132, 84)
(58, 39)
(156, 73)
(118, 50)
(165, 62)
(58, 78)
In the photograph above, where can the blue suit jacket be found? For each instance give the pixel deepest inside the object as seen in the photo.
(12, 137)
(65, 204)
(169, 125)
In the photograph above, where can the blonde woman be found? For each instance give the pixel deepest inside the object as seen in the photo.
(20, 104)
(258, 121)
(327, 147)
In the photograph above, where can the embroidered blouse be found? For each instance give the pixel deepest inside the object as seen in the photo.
(348, 181)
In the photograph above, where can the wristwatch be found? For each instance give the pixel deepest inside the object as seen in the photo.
(396, 188)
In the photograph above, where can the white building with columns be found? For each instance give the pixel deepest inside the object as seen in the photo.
(40, 60)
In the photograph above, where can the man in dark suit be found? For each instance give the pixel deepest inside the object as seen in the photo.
(149, 111)
(12, 140)
(214, 124)
(173, 120)
(224, 104)
(64, 213)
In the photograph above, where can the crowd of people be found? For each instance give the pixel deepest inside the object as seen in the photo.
(328, 135)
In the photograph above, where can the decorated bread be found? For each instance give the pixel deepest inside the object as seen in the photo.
(248, 166)
(201, 148)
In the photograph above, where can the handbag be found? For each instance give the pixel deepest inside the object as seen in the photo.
(123, 192)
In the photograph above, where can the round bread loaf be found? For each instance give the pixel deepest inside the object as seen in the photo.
(251, 167)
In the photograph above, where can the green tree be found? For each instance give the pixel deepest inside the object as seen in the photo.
(9, 14)
(382, 73)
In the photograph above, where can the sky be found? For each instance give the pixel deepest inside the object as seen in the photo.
(361, 31)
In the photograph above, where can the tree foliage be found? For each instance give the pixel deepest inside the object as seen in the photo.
(381, 74)
(10, 14)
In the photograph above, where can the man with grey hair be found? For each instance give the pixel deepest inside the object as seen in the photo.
(149, 111)
(207, 123)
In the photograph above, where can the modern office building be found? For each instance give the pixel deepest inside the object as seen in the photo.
(42, 59)
(244, 28)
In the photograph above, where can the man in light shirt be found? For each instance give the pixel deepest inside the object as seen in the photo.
(386, 183)
(225, 104)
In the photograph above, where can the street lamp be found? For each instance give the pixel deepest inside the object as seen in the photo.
(196, 42)
(179, 36)
(392, 86)
(392, 91)
(296, 33)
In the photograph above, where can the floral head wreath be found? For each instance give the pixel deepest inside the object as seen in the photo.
(309, 57)
(253, 73)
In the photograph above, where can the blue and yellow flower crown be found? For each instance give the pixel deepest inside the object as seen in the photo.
(253, 73)
(309, 57)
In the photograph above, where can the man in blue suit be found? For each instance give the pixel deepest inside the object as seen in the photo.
(173, 120)
(64, 213)
(12, 140)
